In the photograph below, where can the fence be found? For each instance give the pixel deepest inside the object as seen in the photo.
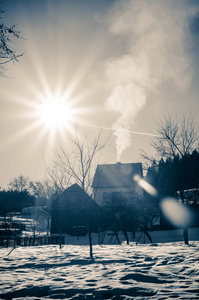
(30, 241)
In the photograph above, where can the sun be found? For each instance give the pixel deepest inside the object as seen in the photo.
(55, 114)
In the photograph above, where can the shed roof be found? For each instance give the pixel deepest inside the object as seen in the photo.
(116, 175)
(76, 196)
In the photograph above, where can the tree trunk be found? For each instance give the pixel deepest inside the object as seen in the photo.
(185, 233)
(60, 234)
(90, 239)
(99, 237)
(90, 243)
(185, 230)
(14, 239)
(148, 235)
(126, 237)
(117, 237)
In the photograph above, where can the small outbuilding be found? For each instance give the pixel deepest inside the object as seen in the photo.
(73, 211)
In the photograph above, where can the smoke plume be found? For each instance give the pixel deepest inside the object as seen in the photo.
(156, 32)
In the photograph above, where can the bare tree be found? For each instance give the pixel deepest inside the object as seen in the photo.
(19, 184)
(7, 52)
(78, 165)
(56, 179)
(177, 137)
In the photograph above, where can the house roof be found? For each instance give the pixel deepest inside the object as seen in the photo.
(116, 175)
(76, 196)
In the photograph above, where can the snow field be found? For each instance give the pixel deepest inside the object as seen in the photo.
(153, 271)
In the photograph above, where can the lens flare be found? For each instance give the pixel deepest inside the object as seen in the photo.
(146, 186)
(177, 214)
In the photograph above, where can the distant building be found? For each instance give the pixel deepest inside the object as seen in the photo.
(73, 209)
(40, 216)
(112, 181)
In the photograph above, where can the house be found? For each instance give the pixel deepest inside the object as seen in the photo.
(116, 181)
(73, 210)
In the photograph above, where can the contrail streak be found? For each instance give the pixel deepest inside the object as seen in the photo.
(121, 130)
(95, 126)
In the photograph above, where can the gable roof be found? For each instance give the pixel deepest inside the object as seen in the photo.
(76, 196)
(75, 188)
(116, 175)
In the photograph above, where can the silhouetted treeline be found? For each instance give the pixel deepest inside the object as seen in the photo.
(172, 176)
(14, 201)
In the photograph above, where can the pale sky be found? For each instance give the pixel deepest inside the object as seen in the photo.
(116, 64)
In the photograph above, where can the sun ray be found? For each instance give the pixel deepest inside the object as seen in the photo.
(17, 136)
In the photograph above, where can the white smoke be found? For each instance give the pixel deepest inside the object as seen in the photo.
(157, 33)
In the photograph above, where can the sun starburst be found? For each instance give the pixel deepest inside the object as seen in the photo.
(55, 114)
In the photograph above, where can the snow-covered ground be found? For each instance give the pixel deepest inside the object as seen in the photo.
(150, 271)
